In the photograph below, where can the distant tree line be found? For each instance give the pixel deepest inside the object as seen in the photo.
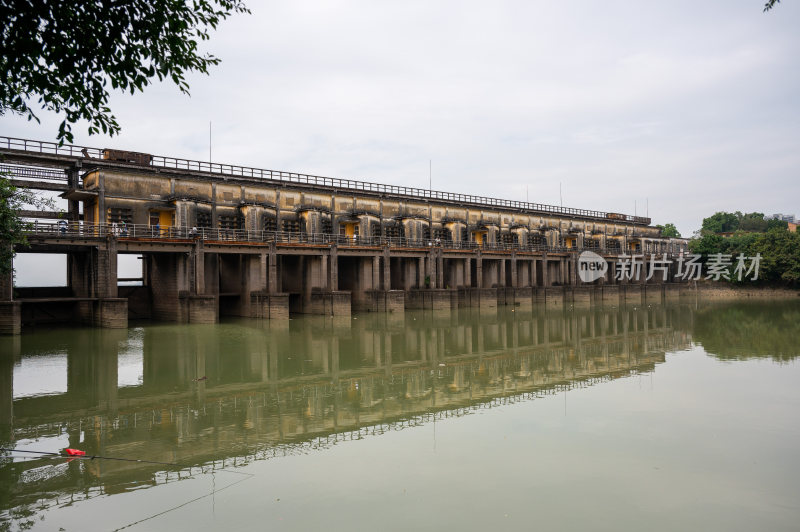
(750, 234)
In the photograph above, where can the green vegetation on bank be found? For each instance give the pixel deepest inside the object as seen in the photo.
(12, 227)
(750, 234)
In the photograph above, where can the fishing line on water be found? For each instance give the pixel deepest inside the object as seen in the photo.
(212, 494)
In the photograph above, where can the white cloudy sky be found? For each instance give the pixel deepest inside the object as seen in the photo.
(689, 106)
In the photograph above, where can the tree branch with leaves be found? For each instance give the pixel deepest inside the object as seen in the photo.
(66, 56)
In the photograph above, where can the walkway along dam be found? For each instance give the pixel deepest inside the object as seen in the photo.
(217, 239)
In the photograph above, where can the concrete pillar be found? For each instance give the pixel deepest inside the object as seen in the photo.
(107, 269)
(468, 272)
(334, 269)
(502, 276)
(325, 273)
(439, 269)
(272, 276)
(479, 271)
(514, 273)
(10, 317)
(376, 272)
(262, 272)
(198, 268)
(7, 285)
(421, 272)
(409, 273)
(387, 269)
(545, 271)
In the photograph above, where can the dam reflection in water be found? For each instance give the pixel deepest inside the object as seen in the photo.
(203, 396)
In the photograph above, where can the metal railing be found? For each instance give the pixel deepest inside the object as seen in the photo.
(258, 174)
(27, 172)
(143, 232)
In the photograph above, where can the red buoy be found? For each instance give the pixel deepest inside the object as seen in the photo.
(74, 452)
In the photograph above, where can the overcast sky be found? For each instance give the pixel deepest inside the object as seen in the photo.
(689, 106)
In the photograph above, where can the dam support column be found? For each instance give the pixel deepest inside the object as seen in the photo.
(10, 310)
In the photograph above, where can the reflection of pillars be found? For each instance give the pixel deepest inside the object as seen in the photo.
(9, 351)
(545, 332)
(481, 343)
(200, 368)
(387, 353)
(422, 345)
(106, 363)
(514, 334)
(576, 331)
(273, 354)
(625, 345)
(334, 370)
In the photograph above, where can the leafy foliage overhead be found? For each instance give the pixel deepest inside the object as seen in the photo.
(68, 55)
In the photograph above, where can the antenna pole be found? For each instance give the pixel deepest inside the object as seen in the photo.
(209, 141)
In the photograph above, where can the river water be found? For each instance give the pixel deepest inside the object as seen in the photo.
(680, 417)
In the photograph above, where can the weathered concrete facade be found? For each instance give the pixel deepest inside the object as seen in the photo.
(253, 243)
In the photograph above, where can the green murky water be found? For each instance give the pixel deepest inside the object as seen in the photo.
(658, 418)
